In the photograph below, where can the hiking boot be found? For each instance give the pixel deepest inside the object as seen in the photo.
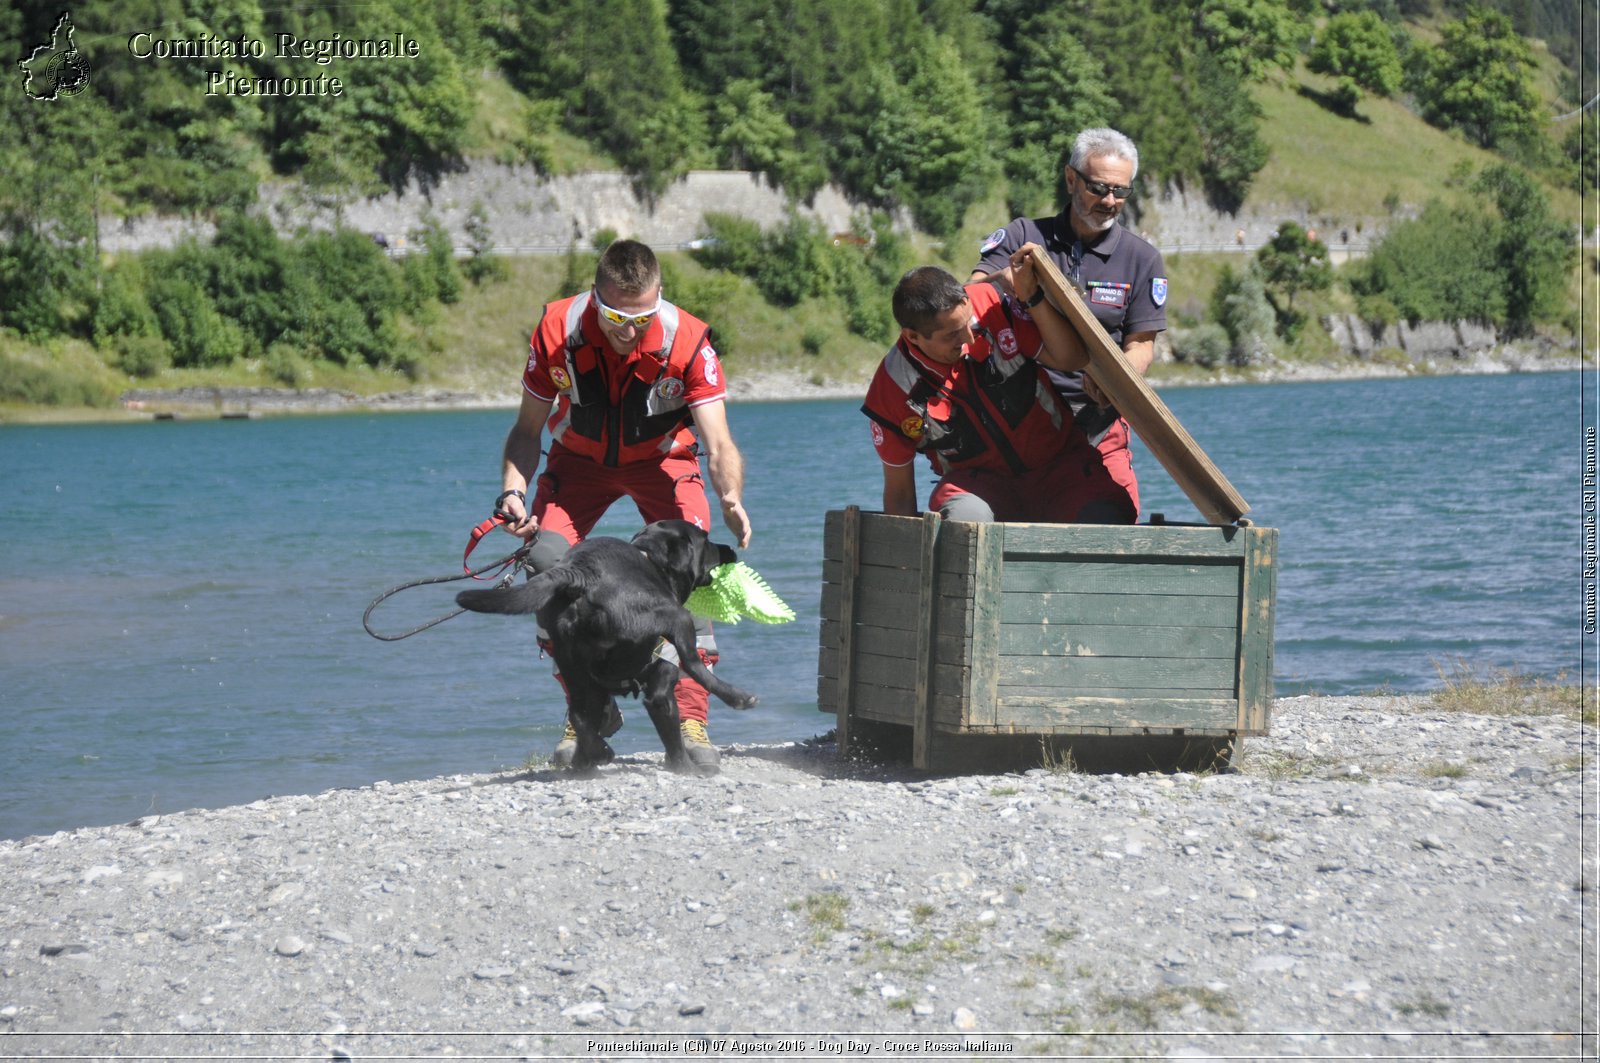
(697, 744)
(566, 749)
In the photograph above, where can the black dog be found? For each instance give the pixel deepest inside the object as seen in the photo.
(607, 606)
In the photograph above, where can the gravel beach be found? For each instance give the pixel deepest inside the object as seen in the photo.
(1377, 879)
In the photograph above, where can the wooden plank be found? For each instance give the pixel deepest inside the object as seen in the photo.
(902, 646)
(897, 610)
(1257, 600)
(1137, 610)
(988, 575)
(1113, 541)
(1153, 576)
(903, 580)
(893, 705)
(872, 670)
(1153, 710)
(1172, 445)
(1099, 640)
(1069, 675)
(927, 609)
(851, 551)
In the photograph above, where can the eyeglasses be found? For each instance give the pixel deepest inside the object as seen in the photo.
(1098, 189)
(622, 318)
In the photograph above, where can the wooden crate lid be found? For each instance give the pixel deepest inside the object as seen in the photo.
(1172, 445)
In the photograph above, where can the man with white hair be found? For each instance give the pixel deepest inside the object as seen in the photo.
(1120, 275)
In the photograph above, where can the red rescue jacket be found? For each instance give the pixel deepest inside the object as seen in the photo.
(995, 408)
(651, 419)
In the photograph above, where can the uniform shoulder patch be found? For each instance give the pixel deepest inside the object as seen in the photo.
(1158, 290)
(992, 241)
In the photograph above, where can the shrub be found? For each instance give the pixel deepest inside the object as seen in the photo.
(142, 355)
(730, 243)
(199, 335)
(121, 311)
(1438, 267)
(348, 294)
(437, 263)
(1241, 307)
(1204, 345)
(247, 271)
(285, 364)
(795, 263)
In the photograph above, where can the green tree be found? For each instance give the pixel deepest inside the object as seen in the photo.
(176, 148)
(1059, 89)
(1534, 250)
(395, 120)
(1582, 150)
(1291, 263)
(1227, 120)
(1251, 38)
(1436, 267)
(611, 64)
(750, 132)
(482, 266)
(719, 42)
(54, 159)
(1196, 122)
(1479, 79)
(925, 143)
(1359, 46)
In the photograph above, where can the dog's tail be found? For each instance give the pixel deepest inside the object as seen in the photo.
(530, 597)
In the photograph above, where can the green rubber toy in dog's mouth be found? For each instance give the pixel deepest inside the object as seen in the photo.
(737, 591)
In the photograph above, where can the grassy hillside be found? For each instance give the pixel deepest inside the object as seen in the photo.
(1343, 171)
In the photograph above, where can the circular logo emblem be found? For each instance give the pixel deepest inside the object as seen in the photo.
(68, 73)
(670, 388)
(1008, 342)
(560, 377)
(877, 434)
(912, 426)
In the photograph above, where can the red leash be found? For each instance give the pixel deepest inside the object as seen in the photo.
(483, 528)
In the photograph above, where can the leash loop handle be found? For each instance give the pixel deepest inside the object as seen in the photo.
(510, 563)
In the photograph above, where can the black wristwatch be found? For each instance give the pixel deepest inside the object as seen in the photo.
(1038, 297)
(501, 501)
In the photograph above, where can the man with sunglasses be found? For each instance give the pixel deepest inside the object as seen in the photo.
(1121, 276)
(624, 380)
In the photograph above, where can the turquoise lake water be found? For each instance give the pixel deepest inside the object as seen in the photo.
(180, 602)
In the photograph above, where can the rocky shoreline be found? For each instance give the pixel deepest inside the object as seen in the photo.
(780, 386)
(1379, 878)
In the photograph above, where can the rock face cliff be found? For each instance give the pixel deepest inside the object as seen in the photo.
(529, 213)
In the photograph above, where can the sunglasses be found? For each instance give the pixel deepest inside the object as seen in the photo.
(621, 318)
(1098, 189)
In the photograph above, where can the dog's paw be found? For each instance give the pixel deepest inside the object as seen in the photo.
(586, 762)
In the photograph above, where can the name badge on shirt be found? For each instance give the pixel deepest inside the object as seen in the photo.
(1109, 293)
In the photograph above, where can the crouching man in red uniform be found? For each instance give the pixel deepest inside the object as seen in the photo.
(966, 386)
(628, 375)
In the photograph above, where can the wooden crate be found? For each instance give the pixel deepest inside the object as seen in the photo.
(1136, 643)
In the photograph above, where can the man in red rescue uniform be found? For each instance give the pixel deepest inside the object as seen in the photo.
(630, 379)
(966, 385)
